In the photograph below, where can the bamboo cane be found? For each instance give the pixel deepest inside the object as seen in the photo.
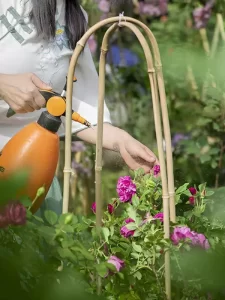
(157, 84)
(159, 75)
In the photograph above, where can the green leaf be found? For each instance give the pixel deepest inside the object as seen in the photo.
(67, 228)
(202, 187)
(135, 200)
(67, 243)
(177, 199)
(138, 275)
(131, 226)
(205, 158)
(209, 193)
(214, 164)
(66, 253)
(137, 233)
(83, 252)
(38, 219)
(131, 212)
(48, 233)
(136, 247)
(51, 217)
(62, 219)
(182, 188)
(106, 234)
(102, 269)
(26, 201)
(111, 230)
(187, 193)
(135, 255)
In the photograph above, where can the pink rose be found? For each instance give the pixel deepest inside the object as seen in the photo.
(16, 213)
(193, 190)
(118, 263)
(124, 231)
(156, 170)
(196, 239)
(104, 6)
(125, 188)
(192, 200)
(159, 216)
(93, 207)
(110, 208)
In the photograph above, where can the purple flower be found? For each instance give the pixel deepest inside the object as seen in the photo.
(203, 241)
(122, 57)
(193, 190)
(118, 263)
(125, 188)
(104, 6)
(78, 147)
(124, 231)
(192, 200)
(181, 233)
(156, 170)
(110, 208)
(202, 15)
(129, 220)
(153, 8)
(179, 137)
(92, 44)
(16, 213)
(159, 216)
(93, 207)
(184, 233)
(81, 169)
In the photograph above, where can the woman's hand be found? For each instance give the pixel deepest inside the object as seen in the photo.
(134, 153)
(20, 91)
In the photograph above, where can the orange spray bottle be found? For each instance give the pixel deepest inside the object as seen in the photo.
(36, 148)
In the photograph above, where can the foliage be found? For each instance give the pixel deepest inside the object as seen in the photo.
(68, 255)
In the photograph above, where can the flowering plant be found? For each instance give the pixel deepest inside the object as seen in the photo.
(127, 253)
(132, 233)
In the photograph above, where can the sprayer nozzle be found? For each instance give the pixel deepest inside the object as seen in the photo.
(88, 124)
(77, 118)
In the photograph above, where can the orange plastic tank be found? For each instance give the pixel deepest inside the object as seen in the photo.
(36, 149)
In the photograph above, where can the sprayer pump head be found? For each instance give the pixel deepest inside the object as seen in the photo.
(51, 123)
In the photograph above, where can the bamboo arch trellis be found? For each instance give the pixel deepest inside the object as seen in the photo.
(159, 101)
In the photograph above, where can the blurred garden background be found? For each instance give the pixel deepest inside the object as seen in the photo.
(66, 256)
(191, 38)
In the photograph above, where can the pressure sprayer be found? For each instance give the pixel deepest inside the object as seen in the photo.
(35, 148)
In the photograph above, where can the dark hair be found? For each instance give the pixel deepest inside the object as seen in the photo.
(43, 17)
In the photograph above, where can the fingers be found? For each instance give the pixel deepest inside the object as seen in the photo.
(39, 83)
(39, 100)
(136, 162)
(152, 154)
(148, 156)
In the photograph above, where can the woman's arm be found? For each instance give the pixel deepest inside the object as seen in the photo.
(134, 153)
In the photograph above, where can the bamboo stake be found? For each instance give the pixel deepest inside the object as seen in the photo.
(221, 26)
(154, 79)
(68, 124)
(101, 99)
(159, 75)
(157, 118)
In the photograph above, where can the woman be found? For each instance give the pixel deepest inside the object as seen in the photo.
(37, 38)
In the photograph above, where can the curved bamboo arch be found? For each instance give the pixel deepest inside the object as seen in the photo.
(158, 93)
